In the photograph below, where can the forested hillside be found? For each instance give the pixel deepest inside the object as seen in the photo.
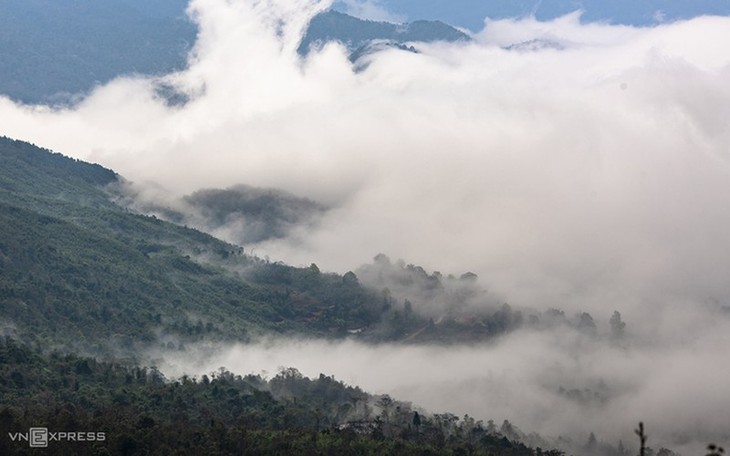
(79, 269)
(140, 412)
(82, 274)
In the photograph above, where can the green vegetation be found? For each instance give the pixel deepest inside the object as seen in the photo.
(82, 274)
(78, 269)
(265, 213)
(141, 412)
(81, 271)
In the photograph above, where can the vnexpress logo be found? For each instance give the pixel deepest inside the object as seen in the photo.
(38, 437)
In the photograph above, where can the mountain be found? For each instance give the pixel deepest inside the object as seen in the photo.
(86, 286)
(80, 44)
(81, 269)
(358, 33)
(83, 43)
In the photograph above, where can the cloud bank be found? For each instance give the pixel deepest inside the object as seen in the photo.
(586, 170)
(555, 383)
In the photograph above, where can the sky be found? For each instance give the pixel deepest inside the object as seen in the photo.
(586, 170)
(470, 14)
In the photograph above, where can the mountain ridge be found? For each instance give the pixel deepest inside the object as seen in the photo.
(83, 44)
(356, 33)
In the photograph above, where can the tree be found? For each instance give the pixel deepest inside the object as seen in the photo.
(617, 326)
(416, 421)
(491, 427)
(714, 450)
(385, 403)
(586, 323)
(509, 430)
(382, 259)
(469, 277)
(642, 438)
(591, 445)
(408, 308)
(350, 278)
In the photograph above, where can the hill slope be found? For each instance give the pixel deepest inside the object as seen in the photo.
(82, 274)
(135, 410)
(79, 269)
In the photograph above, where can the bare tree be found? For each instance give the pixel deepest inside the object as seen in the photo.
(642, 437)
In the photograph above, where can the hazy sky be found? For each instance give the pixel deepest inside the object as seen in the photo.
(471, 13)
(588, 170)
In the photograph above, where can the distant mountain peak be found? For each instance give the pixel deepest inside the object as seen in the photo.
(359, 34)
(535, 45)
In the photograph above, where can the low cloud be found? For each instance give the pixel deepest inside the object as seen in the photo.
(559, 383)
(240, 214)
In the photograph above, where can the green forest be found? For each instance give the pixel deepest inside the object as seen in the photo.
(141, 412)
(84, 272)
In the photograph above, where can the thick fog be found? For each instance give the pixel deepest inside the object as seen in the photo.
(556, 383)
(570, 165)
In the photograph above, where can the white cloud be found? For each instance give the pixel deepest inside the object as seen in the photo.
(556, 383)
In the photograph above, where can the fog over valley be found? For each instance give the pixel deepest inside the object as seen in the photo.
(558, 383)
(561, 167)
